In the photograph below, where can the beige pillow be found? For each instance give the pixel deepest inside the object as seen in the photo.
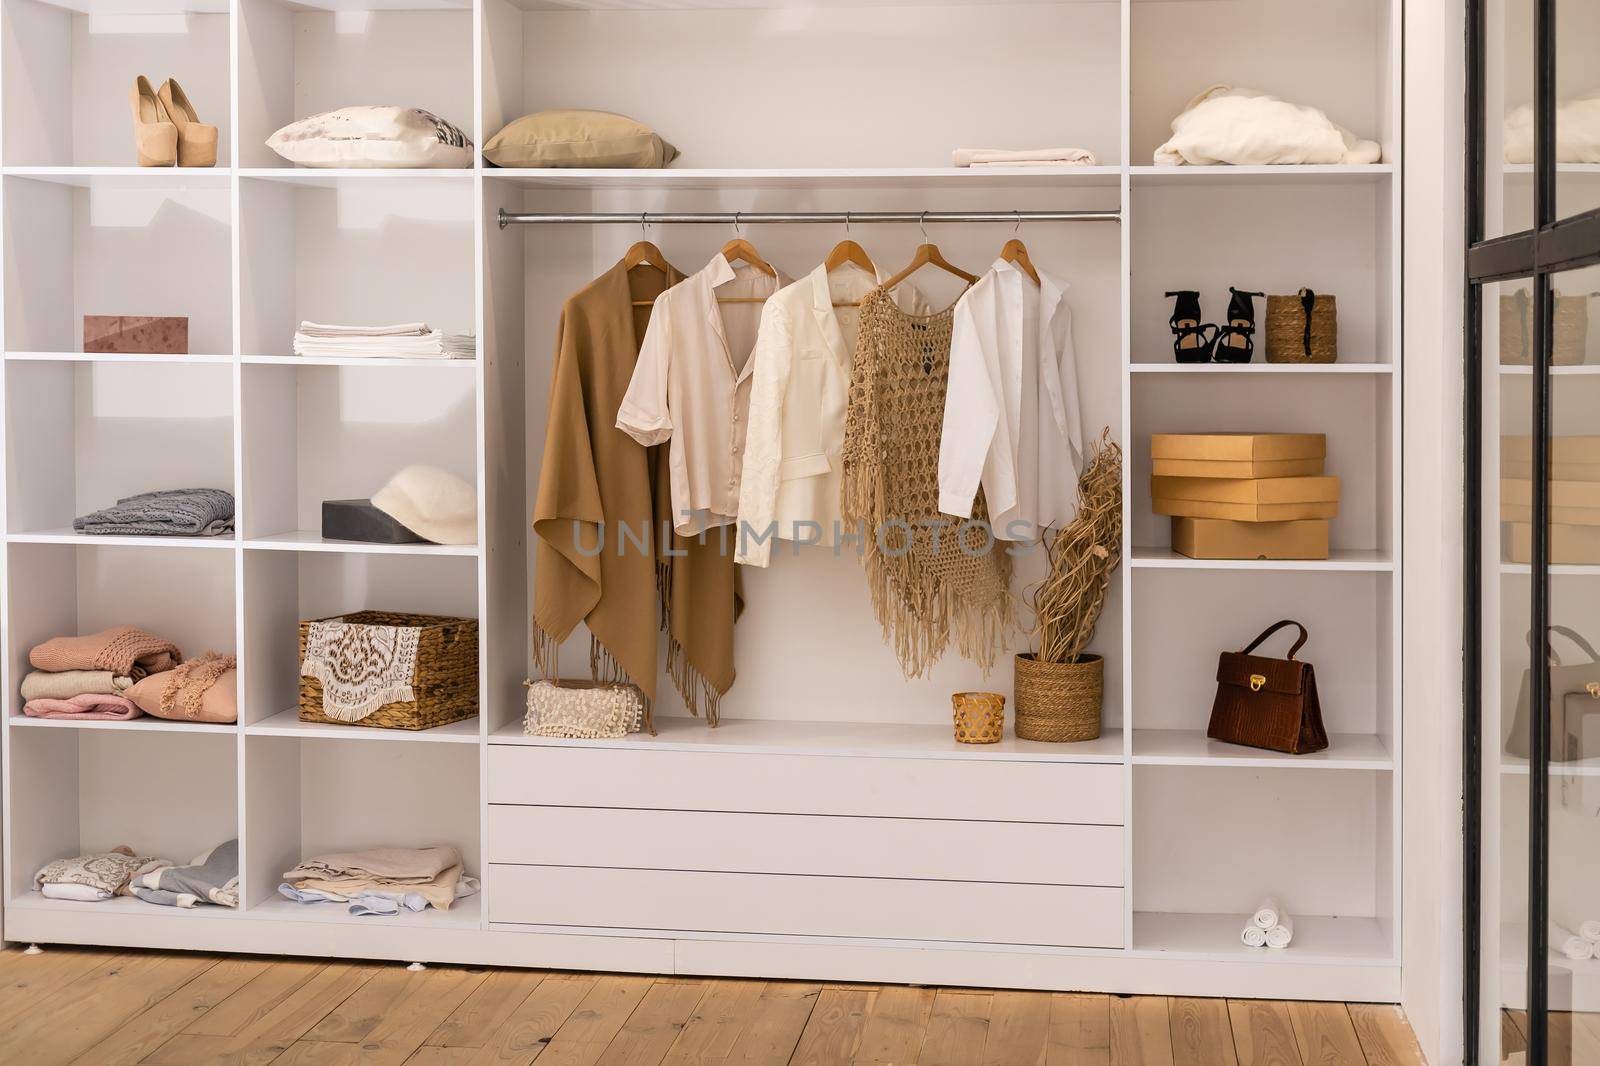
(578, 139)
(206, 692)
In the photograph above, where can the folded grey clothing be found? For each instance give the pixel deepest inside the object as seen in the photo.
(211, 878)
(167, 513)
(397, 865)
(65, 684)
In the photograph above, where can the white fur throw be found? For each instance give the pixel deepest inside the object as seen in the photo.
(1247, 127)
(432, 503)
(373, 137)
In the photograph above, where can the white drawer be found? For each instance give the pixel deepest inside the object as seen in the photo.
(1029, 852)
(1001, 791)
(782, 905)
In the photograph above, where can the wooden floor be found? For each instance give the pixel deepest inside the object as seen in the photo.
(99, 1006)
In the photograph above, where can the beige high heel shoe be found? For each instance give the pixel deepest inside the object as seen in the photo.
(197, 142)
(154, 137)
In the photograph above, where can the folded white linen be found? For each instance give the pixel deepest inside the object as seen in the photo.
(1280, 935)
(1570, 944)
(405, 341)
(1577, 131)
(1269, 912)
(1240, 126)
(1590, 930)
(1038, 157)
(1254, 936)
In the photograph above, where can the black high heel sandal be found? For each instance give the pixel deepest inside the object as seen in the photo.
(1190, 341)
(1236, 341)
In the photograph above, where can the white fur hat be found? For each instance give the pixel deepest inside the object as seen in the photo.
(432, 503)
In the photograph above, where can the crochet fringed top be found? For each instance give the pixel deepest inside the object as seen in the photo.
(930, 575)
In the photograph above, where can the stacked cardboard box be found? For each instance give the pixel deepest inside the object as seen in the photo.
(1244, 495)
(1574, 499)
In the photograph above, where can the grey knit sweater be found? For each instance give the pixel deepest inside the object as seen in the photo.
(168, 513)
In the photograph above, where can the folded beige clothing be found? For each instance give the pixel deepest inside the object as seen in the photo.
(65, 684)
(439, 891)
(390, 864)
(1036, 157)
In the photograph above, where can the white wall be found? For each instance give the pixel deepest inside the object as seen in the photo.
(1434, 136)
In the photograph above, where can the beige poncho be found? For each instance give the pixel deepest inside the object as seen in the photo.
(925, 587)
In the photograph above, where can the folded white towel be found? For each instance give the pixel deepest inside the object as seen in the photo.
(1254, 936)
(1280, 935)
(1569, 943)
(1590, 931)
(1269, 912)
(1036, 157)
(409, 340)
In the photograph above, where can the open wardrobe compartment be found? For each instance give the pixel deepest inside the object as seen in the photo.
(789, 797)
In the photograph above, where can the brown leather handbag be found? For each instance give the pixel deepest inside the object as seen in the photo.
(1268, 703)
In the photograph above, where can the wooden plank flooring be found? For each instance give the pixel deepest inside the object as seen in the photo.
(108, 1008)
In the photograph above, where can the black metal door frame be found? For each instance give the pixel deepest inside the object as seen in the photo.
(1552, 245)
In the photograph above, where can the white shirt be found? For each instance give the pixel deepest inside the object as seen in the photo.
(792, 467)
(1011, 416)
(691, 387)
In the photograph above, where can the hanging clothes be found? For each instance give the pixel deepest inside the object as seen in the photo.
(801, 383)
(594, 480)
(691, 388)
(1011, 417)
(927, 577)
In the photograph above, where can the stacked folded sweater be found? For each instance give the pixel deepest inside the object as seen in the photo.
(168, 513)
(409, 340)
(381, 880)
(95, 877)
(123, 672)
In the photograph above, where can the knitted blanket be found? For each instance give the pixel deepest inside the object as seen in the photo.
(43, 685)
(85, 707)
(168, 513)
(126, 651)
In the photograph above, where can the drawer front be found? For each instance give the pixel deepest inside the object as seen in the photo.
(915, 848)
(779, 905)
(999, 791)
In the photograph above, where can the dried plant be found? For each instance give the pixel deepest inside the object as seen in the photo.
(1082, 556)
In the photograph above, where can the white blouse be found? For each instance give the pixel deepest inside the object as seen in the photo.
(792, 466)
(691, 387)
(1011, 417)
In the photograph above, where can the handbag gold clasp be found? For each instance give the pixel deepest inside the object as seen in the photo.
(1594, 689)
(1256, 681)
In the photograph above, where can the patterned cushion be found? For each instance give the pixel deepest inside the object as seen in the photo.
(373, 137)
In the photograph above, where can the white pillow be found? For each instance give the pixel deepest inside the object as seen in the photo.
(1244, 126)
(373, 137)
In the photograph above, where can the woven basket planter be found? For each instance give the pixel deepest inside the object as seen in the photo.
(1292, 339)
(445, 685)
(980, 717)
(1570, 330)
(1059, 701)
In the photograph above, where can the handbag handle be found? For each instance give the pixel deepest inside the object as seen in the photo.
(1273, 628)
(1576, 638)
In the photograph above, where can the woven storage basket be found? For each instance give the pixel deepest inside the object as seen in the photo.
(980, 717)
(1571, 337)
(1059, 701)
(445, 686)
(1289, 340)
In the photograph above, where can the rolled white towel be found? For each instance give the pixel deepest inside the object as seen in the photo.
(1590, 931)
(1280, 935)
(1254, 936)
(1269, 912)
(1568, 943)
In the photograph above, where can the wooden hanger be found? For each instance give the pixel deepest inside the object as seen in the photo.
(738, 249)
(929, 255)
(1016, 252)
(646, 254)
(848, 251)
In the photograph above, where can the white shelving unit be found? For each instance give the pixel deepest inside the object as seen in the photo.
(1197, 830)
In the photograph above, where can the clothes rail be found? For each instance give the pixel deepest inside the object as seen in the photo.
(736, 218)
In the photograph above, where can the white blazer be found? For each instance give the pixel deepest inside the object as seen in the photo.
(790, 484)
(1011, 416)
